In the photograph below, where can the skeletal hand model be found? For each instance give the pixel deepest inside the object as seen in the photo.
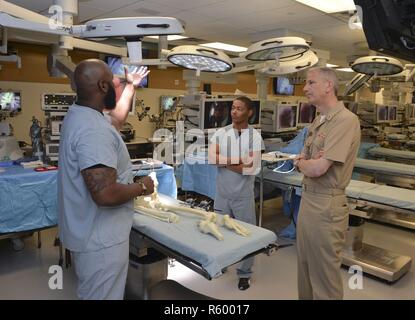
(153, 207)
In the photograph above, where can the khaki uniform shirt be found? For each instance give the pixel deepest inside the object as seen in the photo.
(338, 136)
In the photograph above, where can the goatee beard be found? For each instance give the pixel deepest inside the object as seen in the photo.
(110, 101)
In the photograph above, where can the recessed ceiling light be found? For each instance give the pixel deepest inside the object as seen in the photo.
(170, 37)
(224, 46)
(330, 6)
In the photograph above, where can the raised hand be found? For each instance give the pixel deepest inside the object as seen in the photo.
(135, 78)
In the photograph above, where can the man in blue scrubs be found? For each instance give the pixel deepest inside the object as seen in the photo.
(95, 181)
(236, 150)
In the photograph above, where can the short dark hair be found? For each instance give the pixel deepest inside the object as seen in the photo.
(246, 101)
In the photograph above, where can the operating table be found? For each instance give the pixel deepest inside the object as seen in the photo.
(200, 252)
(364, 198)
(401, 156)
(391, 173)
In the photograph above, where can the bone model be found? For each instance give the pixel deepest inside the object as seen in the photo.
(153, 207)
(207, 226)
(231, 224)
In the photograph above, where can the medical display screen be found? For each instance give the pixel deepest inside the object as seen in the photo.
(117, 68)
(282, 86)
(410, 112)
(256, 113)
(386, 113)
(167, 103)
(216, 114)
(306, 113)
(286, 117)
(10, 101)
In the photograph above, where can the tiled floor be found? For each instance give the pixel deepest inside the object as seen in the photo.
(24, 274)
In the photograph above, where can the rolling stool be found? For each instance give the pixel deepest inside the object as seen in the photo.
(172, 290)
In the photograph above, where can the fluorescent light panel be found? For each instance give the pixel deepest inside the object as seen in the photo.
(345, 69)
(330, 6)
(224, 46)
(358, 25)
(170, 37)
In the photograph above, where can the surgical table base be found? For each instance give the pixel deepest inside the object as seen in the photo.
(378, 262)
(375, 261)
(147, 267)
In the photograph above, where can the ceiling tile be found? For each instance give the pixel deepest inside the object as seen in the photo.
(37, 6)
(186, 4)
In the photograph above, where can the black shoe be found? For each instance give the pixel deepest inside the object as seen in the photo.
(244, 283)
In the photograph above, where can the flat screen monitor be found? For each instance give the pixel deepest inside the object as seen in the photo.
(386, 114)
(410, 112)
(306, 114)
(117, 68)
(215, 113)
(282, 86)
(286, 117)
(10, 101)
(388, 26)
(393, 113)
(168, 103)
(254, 120)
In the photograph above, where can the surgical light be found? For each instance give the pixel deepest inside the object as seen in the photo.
(276, 49)
(306, 60)
(200, 59)
(377, 66)
(133, 29)
(356, 83)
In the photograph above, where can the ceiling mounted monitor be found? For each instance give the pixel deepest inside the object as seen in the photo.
(389, 26)
(276, 49)
(200, 59)
(377, 66)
